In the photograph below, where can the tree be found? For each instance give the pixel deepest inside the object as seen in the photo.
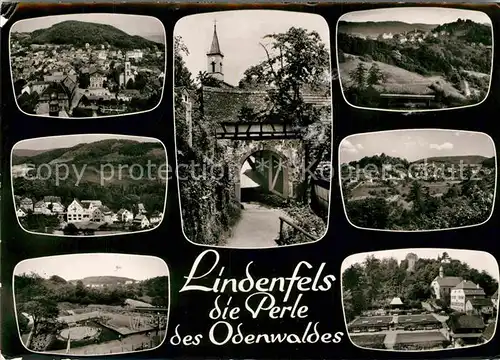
(130, 84)
(358, 76)
(374, 75)
(41, 310)
(205, 79)
(182, 74)
(71, 229)
(82, 112)
(297, 61)
(83, 81)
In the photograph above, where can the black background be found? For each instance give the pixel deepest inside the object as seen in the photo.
(190, 309)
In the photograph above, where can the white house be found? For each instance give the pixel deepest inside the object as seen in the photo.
(125, 215)
(442, 285)
(494, 300)
(41, 208)
(21, 213)
(463, 292)
(82, 210)
(141, 221)
(141, 208)
(57, 207)
(156, 218)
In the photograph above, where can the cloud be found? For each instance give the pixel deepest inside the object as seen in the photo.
(443, 146)
(456, 133)
(359, 146)
(347, 146)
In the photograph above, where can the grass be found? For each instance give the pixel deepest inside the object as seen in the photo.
(398, 80)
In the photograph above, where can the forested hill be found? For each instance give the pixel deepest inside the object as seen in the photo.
(110, 280)
(78, 33)
(383, 159)
(372, 28)
(108, 151)
(468, 31)
(458, 159)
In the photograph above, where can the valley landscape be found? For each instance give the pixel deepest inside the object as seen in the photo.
(391, 190)
(402, 65)
(96, 185)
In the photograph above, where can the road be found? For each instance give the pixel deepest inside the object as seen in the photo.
(258, 227)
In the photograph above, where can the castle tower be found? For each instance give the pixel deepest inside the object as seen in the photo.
(412, 260)
(215, 57)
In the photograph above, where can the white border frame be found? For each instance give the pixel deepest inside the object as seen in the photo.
(119, 137)
(409, 111)
(332, 137)
(90, 355)
(91, 117)
(342, 270)
(422, 129)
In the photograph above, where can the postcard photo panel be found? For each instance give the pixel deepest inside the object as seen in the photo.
(420, 299)
(253, 150)
(418, 179)
(89, 184)
(415, 58)
(88, 65)
(91, 304)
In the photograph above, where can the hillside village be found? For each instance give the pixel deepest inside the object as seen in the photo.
(402, 65)
(451, 311)
(83, 216)
(400, 195)
(88, 79)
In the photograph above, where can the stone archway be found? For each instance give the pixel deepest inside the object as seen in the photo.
(291, 153)
(269, 169)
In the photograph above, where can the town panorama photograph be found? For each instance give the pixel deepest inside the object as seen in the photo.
(87, 65)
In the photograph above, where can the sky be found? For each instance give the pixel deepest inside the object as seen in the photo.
(56, 142)
(416, 144)
(79, 266)
(146, 26)
(478, 260)
(417, 15)
(239, 35)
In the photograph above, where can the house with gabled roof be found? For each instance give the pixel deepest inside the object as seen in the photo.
(20, 213)
(442, 285)
(26, 204)
(465, 329)
(82, 210)
(141, 221)
(125, 215)
(479, 306)
(494, 299)
(41, 208)
(156, 218)
(463, 292)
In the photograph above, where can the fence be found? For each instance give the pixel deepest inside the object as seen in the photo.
(297, 233)
(320, 197)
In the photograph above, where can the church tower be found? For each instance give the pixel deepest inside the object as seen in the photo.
(215, 57)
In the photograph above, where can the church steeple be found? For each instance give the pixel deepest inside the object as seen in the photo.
(215, 47)
(215, 57)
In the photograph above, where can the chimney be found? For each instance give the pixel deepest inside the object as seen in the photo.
(477, 286)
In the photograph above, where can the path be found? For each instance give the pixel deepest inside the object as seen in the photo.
(258, 227)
